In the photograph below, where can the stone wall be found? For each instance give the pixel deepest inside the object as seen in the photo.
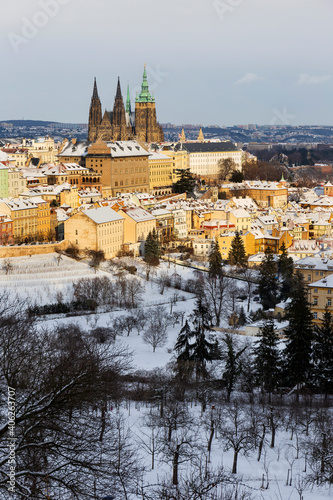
(22, 250)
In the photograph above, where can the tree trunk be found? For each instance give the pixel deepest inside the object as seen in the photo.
(175, 466)
(212, 430)
(234, 464)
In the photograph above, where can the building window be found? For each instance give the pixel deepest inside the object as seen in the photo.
(315, 301)
(315, 315)
(309, 277)
(329, 302)
(329, 291)
(316, 290)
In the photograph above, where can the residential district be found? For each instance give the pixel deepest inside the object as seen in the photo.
(109, 192)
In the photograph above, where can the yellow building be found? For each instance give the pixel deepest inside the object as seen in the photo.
(314, 268)
(44, 226)
(96, 229)
(17, 156)
(16, 183)
(123, 166)
(265, 194)
(43, 148)
(180, 161)
(160, 174)
(137, 224)
(240, 218)
(320, 296)
(24, 216)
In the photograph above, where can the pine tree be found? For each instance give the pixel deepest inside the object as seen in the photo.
(237, 254)
(299, 335)
(268, 284)
(152, 250)
(185, 183)
(323, 354)
(267, 361)
(215, 261)
(183, 349)
(285, 271)
(203, 350)
(233, 365)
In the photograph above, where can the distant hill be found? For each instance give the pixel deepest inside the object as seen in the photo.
(28, 123)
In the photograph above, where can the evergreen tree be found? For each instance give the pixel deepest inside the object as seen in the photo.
(152, 248)
(185, 183)
(215, 261)
(241, 317)
(183, 349)
(203, 350)
(268, 284)
(237, 254)
(233, 365)
(323, 354)
(201, 315)
(299, 334)
(267, 361)
(285, 272)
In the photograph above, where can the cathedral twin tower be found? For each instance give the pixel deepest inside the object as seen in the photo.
(122, 124)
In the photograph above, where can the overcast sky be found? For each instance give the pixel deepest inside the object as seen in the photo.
(209, 62)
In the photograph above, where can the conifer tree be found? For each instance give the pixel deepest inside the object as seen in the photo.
(185, 183)
(285, 272)
(215, 261)
(233, 365)
(323, 354)
(183, 348)
(203, 350)
(299, 335)
(268, 284)
(152, 248)
(237, 254)
(267, 361)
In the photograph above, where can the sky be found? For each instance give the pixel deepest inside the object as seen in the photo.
(209, 62)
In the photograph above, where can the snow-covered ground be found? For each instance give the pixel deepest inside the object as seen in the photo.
(40, 279)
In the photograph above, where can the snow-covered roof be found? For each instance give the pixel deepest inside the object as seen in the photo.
(158, 156)
(326, 282)
(101, 215)
(138, 214)
(126, 148)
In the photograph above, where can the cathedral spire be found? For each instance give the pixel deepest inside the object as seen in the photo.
(144, 95)
(128, 101)
(95, 92)
(118, 94)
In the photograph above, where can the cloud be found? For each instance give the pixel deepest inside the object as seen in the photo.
(248, 78)
(306, 79)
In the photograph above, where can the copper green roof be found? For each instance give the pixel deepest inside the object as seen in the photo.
(128, 101)
(144, 95)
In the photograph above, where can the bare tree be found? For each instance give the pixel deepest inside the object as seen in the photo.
(235, 431)
(226, 168)
(7, 266)
(135, 290)
(163, 281)
(249, 276)
(155, 333)
(58, 377)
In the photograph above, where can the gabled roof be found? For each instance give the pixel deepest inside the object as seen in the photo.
(101, 215)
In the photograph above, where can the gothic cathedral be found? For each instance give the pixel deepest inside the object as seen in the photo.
(121, 124)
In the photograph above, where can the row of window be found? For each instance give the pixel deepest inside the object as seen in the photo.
(137, 181)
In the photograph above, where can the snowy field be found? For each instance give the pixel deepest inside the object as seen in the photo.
(40, 279)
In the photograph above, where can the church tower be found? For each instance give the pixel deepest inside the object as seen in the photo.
(119, 132)
(95, 115)
(146, 127)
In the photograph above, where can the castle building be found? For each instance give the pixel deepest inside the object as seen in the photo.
(121, 124)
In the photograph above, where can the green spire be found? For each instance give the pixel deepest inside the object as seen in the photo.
(128, 101)
(144, 95)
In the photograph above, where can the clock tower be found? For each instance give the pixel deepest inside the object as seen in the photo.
(147, 129)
